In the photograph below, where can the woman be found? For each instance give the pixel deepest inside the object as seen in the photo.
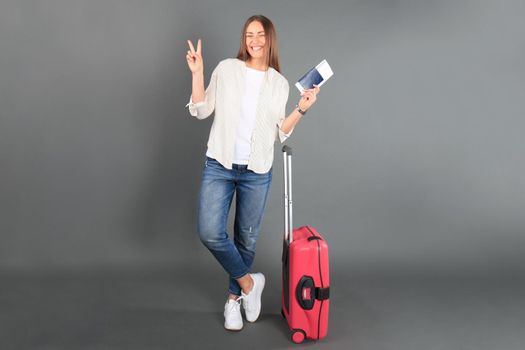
(248, 95)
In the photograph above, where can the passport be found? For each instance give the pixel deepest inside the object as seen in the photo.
(317, 75)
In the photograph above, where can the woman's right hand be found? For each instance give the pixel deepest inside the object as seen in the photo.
(194, 58)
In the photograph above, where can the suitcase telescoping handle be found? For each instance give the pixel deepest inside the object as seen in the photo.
(288, 217)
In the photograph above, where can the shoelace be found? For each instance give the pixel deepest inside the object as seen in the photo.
(235, 306)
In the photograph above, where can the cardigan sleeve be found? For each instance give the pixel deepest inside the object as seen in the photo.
(204, 109)
(282, 112)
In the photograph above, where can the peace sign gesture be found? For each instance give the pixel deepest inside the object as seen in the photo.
(194, 58)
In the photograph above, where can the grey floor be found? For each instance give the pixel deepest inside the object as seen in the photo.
(166, 309)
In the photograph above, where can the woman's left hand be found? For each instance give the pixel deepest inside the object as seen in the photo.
(308, 98)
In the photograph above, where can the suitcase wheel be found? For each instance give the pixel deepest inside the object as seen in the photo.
(298, 336)
(282, 313)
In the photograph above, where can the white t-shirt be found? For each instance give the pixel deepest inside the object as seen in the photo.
(243, 140)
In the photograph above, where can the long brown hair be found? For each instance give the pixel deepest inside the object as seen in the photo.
(272, 53)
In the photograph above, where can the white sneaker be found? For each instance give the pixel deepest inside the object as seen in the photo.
(232, 315)
(252, 301)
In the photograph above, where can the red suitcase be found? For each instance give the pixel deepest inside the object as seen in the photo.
(306, 279)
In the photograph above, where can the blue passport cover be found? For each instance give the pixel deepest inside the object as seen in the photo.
(309, 79)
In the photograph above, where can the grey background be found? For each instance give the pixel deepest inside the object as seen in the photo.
(410, 163)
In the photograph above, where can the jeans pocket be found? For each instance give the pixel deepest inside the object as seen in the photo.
(212, 163)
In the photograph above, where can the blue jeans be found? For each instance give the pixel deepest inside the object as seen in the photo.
(218, 185)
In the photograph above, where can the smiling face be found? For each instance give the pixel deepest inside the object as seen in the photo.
(258, 44)
(256, 40)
